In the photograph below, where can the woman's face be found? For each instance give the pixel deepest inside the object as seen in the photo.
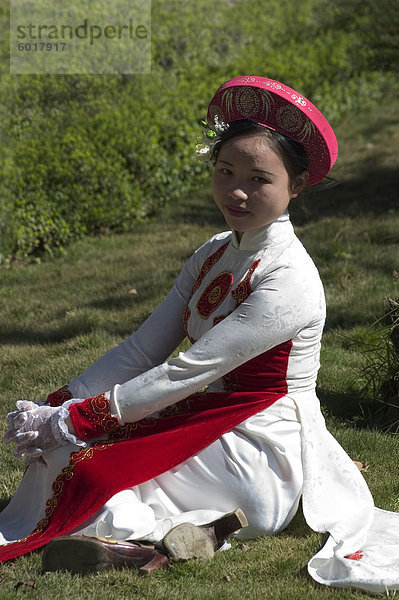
(250, 183)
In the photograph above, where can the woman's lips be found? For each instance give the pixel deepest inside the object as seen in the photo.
(236, 211)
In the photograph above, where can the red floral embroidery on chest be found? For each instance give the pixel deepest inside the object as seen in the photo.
(214, 294)
(241, 292)
(206, 267)
(217, 290)
(243, 289)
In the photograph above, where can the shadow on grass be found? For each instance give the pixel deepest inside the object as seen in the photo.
(4, 502)
(43, 337)
(360, 412)
(198, 208)
(344, 321)
(348, 406)
(372, 192)
(70, 331)
(298, 526)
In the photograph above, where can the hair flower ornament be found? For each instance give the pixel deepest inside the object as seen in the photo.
(210, 137)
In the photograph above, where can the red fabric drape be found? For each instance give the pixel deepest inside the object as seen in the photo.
(141, 451)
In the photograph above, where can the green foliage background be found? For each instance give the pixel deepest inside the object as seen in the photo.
(82, 154)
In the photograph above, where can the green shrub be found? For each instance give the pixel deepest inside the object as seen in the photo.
(85, 154)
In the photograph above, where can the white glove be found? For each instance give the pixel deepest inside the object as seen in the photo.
(34, 429)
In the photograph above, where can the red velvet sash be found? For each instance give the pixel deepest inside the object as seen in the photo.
(141, 451)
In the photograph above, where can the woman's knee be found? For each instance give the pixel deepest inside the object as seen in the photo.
(268, 520)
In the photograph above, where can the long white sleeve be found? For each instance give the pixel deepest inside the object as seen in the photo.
(278, 310)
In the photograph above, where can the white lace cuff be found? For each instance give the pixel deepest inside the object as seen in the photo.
(60, 428)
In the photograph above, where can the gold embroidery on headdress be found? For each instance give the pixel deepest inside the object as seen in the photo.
(290, 118)
(307, 130)
(249, 102)
(227, 101)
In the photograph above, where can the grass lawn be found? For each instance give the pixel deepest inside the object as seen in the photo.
(58, 316)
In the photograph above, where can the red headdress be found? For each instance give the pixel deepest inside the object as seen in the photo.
(278, 107)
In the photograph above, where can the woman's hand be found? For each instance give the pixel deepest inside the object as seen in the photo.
(34, 429)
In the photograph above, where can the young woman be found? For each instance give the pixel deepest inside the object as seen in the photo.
(148, 456)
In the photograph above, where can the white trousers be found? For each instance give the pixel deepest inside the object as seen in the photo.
(256, 466)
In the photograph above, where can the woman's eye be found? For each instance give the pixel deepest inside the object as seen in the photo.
(259, 179)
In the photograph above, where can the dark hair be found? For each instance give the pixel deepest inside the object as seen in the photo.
(292, 154)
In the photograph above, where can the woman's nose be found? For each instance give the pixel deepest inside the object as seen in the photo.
(238, 193)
